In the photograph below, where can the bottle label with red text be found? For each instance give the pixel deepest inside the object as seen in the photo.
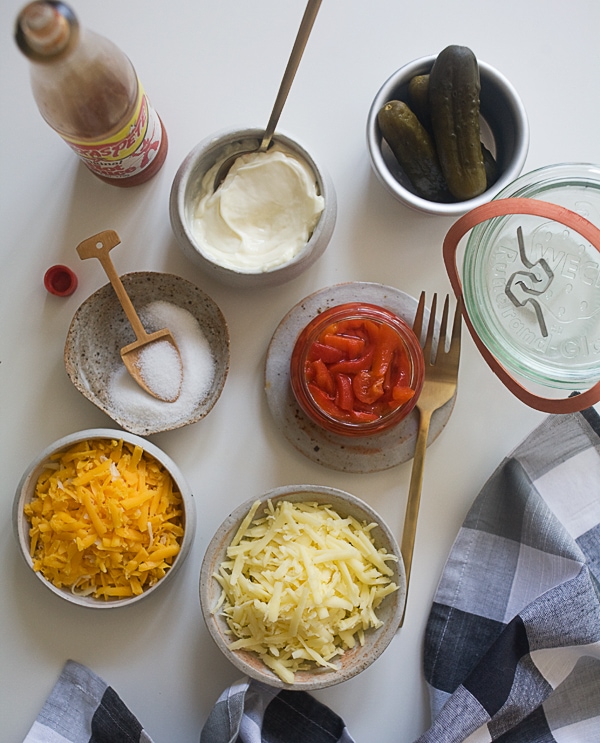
(128, 152)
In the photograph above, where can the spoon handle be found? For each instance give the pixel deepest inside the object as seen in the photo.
(308, 19)
(99, 246)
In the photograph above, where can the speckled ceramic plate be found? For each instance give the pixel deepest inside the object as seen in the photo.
(99, 330)
(364, 454)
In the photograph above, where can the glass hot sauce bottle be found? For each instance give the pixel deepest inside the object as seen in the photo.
(87, 90)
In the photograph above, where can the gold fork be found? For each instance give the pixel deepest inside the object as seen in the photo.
(441, 375)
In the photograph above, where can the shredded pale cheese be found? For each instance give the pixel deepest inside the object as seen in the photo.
(300, 585)
(106, 520)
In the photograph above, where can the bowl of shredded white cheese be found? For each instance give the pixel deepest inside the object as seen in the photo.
(303, 587)
(267, 222)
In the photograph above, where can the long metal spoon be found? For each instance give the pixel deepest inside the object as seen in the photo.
(99, 246)
(306, 25)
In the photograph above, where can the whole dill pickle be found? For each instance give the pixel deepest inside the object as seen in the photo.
(414, 150)
(418, 99)
(454, 87)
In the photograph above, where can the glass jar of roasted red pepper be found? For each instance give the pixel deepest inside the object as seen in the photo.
(357, 369)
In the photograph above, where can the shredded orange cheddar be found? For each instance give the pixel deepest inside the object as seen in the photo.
(106, 520)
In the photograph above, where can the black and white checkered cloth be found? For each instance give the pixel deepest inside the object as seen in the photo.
(512, 651)
(250, 712)
(81, 708)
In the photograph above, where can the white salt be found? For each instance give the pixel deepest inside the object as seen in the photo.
(129, 401)
(160, 367)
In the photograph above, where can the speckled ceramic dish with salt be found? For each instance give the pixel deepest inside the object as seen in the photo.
(99, 330)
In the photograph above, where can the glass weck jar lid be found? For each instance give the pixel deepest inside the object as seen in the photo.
(531, 283)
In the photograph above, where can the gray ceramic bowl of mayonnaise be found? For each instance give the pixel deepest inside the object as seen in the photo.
(187, 190)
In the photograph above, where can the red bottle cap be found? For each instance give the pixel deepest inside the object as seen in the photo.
(60, 280)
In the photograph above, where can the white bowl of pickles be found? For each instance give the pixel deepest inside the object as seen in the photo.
(446, 133)
(103, 518)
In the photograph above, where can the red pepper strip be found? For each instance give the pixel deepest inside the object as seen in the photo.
(403, 378)
(331, 329)
(404, 366)
(388, 343)
(362, 385)
(359, 328)
(322, 377)
(326, 404)
(351, 345)
(391, 374)
(377, 388)
(326, 353)
(344, 397)
(372, 329)
(402, 394)
(363, 407)
(368, 389)
(357, 416)
(309, 372)
(363, 363)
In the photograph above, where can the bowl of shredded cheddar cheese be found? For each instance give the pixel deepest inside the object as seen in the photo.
(303, 587)
(103, 518)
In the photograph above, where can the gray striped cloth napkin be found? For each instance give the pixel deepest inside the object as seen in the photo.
(512, 647)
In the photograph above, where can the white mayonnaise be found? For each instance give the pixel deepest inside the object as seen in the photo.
(263, 213)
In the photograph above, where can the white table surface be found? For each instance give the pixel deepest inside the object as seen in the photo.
(208, 66)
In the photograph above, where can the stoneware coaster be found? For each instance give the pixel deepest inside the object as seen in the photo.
(361, 454)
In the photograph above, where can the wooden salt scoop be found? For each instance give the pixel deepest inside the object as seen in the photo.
(99, 246)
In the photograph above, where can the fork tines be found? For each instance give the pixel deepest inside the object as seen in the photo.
(429, 347)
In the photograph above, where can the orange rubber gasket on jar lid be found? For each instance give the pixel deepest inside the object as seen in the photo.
(502, 208)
